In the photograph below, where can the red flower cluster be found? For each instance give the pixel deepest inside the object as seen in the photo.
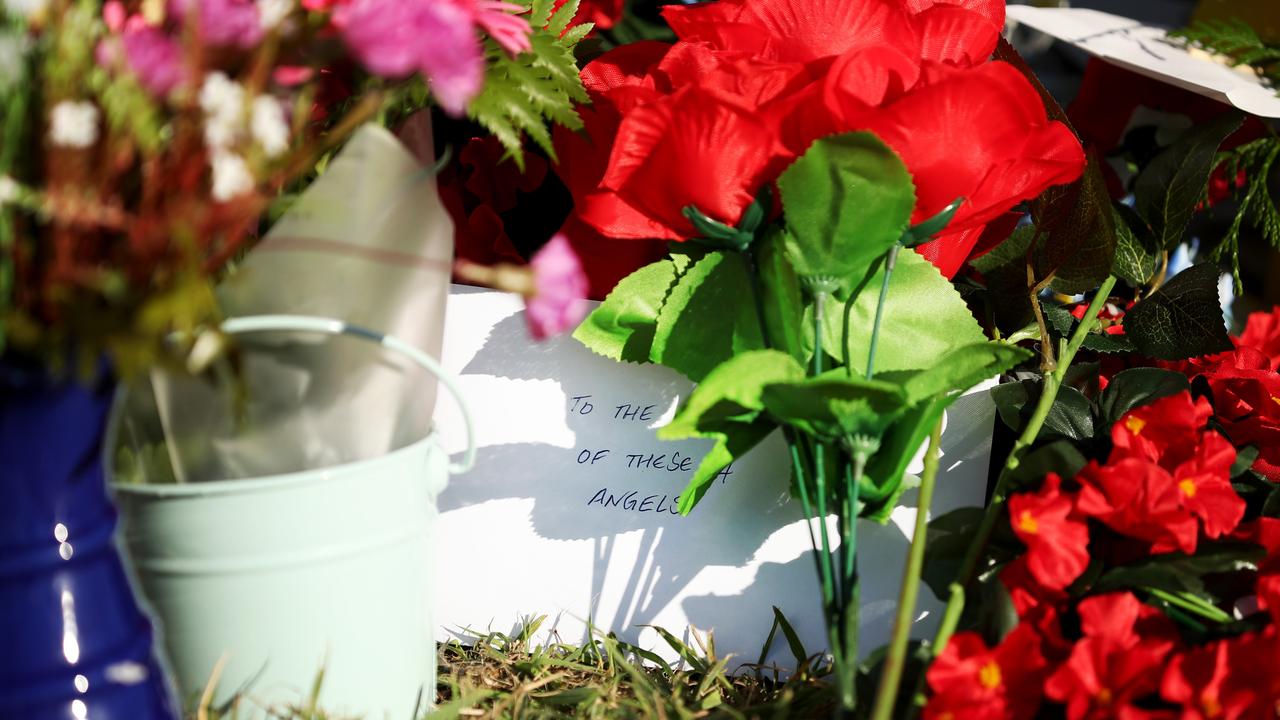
(1246, 389)
(712, 119)
(1165, 486)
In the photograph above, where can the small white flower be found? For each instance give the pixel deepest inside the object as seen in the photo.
(231, 176)
(24, 8)
(8, 190)
(272, 12)
(74, 124)
(222, 100)
(268, 125)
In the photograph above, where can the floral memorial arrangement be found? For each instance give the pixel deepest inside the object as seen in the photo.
(834, 216)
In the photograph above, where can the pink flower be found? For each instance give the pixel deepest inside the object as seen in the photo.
(509, 31)
(394, 38)
(224, 22)
(560, 289)
(155, 57)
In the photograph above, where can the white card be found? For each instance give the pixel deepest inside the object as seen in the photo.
(570, 511)
(1144, 49)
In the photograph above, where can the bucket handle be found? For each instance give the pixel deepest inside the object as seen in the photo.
(329, 326)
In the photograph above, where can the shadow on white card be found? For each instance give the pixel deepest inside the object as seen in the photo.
(1146, 50)
(570, 511)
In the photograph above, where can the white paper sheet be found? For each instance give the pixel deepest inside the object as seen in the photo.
(569, 512)
(1144, 49)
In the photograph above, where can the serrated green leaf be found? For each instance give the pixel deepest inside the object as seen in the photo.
(732, 442)
(847, 199)
(1136, 387)
(958, 370)
(833, 405)
(898, 446)
(1175, 572)
(622, 327)
(1076, 249)
(924, 319)
(781, 298)
(1168, 190)
(1065, 324)
(731, 393)
(945, 545)
(1138, 252)
(1060, 456)
(1183, 319)
(1070, 416)
(704, 321)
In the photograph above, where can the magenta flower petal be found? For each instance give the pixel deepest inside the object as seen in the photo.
(509, 31)
(560, 289)
(435, 37)
(155, 57)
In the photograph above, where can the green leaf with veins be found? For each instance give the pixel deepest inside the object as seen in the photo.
(1183, 319)
(924, 319)
(847, 200)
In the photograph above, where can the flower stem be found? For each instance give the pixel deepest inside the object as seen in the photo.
(890, 261)
(891, 675)
(1048, 395)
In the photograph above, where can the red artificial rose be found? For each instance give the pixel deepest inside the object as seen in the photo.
(1226, 679)
(970, 681)
(1138, 498)
(802, 31)
(1262, 333)
(1117, 661)
(699, 148)
(1057, 539)
(981, 134)
(750, 84)
(605, 263)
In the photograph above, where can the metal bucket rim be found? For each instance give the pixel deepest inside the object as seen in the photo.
(279, 481)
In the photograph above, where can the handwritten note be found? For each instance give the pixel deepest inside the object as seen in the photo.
(1145, 49)
(571, 510)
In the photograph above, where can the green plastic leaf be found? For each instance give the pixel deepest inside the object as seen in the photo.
(1183, 319)
(945, 545)
(1136, 387)
(708, 317)
(1065, 324)
(958, 370)
(732, 442)
(1078, 245)
(898, 446)
(1168, 190)
(781, 298)
(1138, 251)
(1060, 456)
(1071, 415)
(622, 327)
(834, 405)
(732, 393)
(847, 199)
(1175, 572)
(924, 319)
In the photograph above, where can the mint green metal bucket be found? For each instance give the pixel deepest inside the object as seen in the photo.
(277, 578)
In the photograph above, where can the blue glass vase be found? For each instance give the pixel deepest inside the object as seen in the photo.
(74, 644)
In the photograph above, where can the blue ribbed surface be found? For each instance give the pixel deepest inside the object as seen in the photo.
(73, 642)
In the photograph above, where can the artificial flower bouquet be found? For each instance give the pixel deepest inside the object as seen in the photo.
(873, 206)
(146, 144)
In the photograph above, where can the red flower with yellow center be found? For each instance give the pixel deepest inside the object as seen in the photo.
(1057, 538)
(970, 681)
